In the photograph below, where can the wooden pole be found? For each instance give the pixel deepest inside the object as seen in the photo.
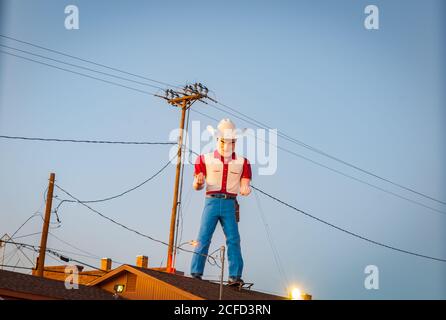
(169, 267)
(46, 225)
(188, 97)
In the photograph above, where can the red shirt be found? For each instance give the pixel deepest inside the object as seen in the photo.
(200, 167)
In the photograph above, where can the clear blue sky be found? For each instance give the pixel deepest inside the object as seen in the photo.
(308, 68)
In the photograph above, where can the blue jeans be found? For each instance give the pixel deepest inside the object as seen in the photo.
(223, 210)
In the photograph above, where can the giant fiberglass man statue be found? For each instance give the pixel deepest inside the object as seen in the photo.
(225, 175)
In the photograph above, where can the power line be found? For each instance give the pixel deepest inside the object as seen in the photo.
(88, 61)
(82, 67)
(49, 250)
(57, 261)
(86, 255)
(122, 225)
(27, 235)
(18, 248)
(7, 255)
(12, 254)
(74, 247)
(89, 69)
(184, 209)
(345, 230)
(271, 243)
(316, 150)
(52, 252)
(18, 261)
(47, 270)
(78, 73)
(107, 218)
(15, 267)
(35, 214)
(302, 144)
(87, 141)
(105, 142)
(57, 223)
(120, 194)
(76, 254)
(337, 171)
(212, 118)
(204, 115)
(98, 142)
(67, 259)
(89, 254)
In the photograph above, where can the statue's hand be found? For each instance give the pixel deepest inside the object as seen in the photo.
(245, 188)
(199, 181)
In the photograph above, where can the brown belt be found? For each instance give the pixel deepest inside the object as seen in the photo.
(221, 196)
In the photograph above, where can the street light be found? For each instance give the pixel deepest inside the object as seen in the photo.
(192, 243)
(297, 294)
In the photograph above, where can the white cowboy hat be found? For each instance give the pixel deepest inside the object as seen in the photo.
(226, 130)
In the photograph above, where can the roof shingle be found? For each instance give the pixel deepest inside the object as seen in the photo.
(206, 289)
(52, 289)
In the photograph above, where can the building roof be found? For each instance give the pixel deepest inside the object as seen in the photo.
(200, 288)
(58, 273)
(19, 285)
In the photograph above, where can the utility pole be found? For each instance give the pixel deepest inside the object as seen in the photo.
(183, 100)
(46, 225)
